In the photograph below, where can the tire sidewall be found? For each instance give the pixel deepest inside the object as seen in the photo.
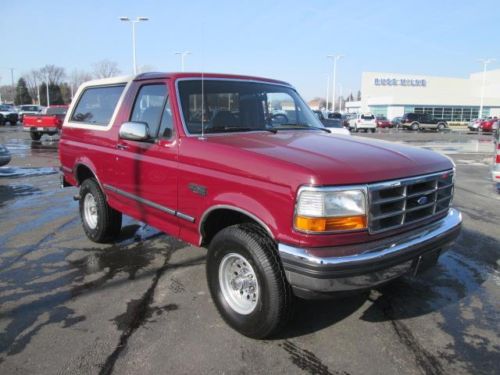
(91, 187)
(246, 324)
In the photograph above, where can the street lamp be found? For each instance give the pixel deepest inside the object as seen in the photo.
(485, 63)
(137, 20)
(334, 58)
(182, 55)
(327, 92)
(47, 87)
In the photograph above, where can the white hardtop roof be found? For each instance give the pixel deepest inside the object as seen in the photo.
(108, 81)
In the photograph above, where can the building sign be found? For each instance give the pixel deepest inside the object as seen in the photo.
(400, 82)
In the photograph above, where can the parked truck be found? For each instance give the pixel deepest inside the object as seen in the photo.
(241, 166)
(48, 123)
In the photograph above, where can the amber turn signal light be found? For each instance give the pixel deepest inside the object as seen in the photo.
(327, 224)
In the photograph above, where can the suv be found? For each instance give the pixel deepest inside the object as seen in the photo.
(416, 121)
(241, 165)
(8, 114)
(363, 121)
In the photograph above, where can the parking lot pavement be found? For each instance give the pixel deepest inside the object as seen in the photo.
(141, 305)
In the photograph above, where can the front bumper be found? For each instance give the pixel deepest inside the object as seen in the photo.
(376, 263)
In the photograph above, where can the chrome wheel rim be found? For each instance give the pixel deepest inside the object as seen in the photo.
(238, 283)
(90, 211)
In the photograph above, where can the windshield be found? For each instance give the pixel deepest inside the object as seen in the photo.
(230, 106)
(56, 111)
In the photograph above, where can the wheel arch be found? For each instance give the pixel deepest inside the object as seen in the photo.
(220, 216)
(84, 170)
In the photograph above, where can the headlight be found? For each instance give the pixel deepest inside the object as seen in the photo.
(330, 209)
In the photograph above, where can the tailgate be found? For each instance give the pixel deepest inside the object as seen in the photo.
(42, 121)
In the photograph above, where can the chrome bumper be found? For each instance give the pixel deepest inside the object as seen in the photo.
(375, 262)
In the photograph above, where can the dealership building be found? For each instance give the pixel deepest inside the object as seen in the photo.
(451, 99)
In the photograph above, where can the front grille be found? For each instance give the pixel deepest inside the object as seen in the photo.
(403, 202)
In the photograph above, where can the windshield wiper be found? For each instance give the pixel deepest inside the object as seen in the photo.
(238, 129)
(302, 126)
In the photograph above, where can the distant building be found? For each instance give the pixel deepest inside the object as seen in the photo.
(451, 99)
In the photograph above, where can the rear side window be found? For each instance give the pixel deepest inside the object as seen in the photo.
(97, 105)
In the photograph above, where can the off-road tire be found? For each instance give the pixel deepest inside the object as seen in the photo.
(274, 304)
(109, 221)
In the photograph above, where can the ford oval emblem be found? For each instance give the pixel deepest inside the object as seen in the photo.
(422, 200)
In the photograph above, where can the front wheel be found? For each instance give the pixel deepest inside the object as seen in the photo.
(247, 281)
(35, 136)
(101, 223)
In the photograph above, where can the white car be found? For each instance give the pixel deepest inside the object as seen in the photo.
(363, 121)
(29, 109)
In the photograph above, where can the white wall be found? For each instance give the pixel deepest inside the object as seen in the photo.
(437, 91)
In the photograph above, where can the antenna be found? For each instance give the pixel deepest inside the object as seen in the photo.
(202, 84)
(202, 105)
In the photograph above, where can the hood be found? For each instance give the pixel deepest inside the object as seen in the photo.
(330, 159)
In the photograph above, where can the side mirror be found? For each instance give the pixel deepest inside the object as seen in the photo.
(134, 131)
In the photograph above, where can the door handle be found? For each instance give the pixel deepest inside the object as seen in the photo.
(121, 146)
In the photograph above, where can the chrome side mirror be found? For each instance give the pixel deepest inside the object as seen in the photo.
(134, 131)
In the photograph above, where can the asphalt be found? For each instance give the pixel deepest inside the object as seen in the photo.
(141, 305)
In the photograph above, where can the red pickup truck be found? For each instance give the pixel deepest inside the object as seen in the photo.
(241, 165)
(49, 123)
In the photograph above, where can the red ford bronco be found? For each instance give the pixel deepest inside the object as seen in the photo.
(241, 165)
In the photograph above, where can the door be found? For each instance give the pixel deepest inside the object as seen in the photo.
(147, 171)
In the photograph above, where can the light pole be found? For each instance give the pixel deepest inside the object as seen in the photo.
(327, 91)
(183, 56)
(485, 63)
(334, 58)
(137, 20)
(48, 97)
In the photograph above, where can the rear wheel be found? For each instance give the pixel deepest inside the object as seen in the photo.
(247, 281)
(440, 127)
(101, 223)
(374, 130)
(35, 136)
(415, 126)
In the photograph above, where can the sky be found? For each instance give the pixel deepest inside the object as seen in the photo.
(286, 40)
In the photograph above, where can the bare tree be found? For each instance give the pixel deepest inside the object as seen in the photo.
(76, 78)
(105, 69)
(146, 68)
(7, 93)
(54, 74)
(33, 81)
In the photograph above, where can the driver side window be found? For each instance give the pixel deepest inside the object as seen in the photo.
(148, 106)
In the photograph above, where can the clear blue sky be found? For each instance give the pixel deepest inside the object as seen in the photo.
(279, 39)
